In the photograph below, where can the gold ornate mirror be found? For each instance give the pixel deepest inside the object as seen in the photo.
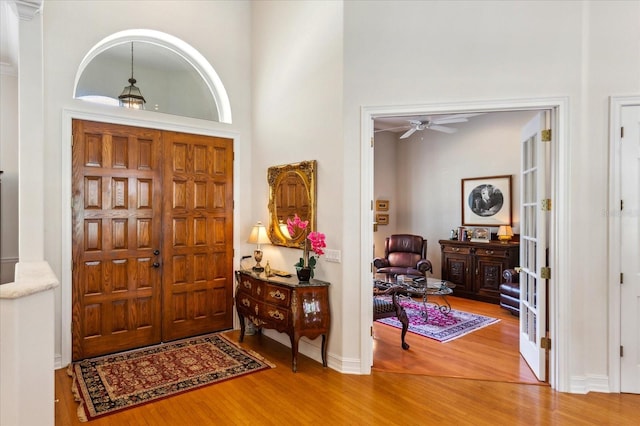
(292, 190)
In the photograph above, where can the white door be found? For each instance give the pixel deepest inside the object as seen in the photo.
(629, 250)
(533, 245)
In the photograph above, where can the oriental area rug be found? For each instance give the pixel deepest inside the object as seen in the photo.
(111, 383)
(439, 326)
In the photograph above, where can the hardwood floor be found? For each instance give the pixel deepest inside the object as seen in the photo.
(490, 353)
(317, 395)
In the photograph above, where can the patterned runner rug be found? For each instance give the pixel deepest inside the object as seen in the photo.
(439, 326)
(116, 382)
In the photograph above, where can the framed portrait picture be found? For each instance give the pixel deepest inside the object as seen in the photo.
(382, 205)
(382, 219)
(486, 201)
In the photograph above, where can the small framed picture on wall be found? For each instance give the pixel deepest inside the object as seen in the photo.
(382, 205)
(382, 219)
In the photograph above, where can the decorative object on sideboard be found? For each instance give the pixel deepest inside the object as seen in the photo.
(505, 234)
(486, 201)
(131, 97)
(258, 236)
(481, 235)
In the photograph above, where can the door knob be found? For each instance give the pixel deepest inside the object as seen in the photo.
(156, 252)
(156, 265)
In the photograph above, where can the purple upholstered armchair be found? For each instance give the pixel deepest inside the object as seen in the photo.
(404, 254)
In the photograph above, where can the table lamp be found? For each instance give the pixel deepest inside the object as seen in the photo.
(505, 233)
(258, 236)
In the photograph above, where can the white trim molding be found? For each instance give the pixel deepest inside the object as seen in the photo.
(616, 103)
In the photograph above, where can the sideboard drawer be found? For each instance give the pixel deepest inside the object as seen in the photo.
(456, 250)
(491, 252)
(277, 295)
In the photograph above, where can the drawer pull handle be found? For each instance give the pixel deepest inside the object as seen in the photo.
(490, 251)
(277, 295)
(276, 314)
(257, 321)
(456, 249)
(246, 302)
(247, 284)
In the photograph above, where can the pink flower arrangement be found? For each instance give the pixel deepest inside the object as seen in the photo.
(317, 240)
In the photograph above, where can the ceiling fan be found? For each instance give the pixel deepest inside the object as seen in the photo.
(433, 123)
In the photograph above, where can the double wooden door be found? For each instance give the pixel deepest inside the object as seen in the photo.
(152, 236)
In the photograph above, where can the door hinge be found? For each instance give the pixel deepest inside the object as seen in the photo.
(371, 331)
(545, 343)
(545, 273)
(622, 132)
(545, 204)
(621, 278)
(371, 141)
(546, 135)
(621, 351)
(621, 205)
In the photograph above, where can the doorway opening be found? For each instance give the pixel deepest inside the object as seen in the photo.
(558, 236)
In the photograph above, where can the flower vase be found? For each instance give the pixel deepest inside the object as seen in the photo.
(304, 274)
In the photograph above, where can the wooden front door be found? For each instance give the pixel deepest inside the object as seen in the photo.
(152, 237)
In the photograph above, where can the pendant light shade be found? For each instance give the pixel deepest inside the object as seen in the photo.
(131, 97)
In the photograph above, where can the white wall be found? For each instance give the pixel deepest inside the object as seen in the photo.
(443, 52)
(297, 98)
(9, 165)
(427, 167)
(385, 186)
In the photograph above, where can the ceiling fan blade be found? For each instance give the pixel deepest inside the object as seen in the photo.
(408, 133)
(450, 120)
(443, 129)
(390, 129)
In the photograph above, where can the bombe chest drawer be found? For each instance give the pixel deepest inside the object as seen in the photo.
(284, 305)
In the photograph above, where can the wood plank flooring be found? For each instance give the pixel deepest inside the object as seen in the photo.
(317, 395)
(490, 353)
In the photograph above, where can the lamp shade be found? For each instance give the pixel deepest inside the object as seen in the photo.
(258, 234)
(505, 233)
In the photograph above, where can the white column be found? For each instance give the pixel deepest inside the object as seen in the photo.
(31, 133)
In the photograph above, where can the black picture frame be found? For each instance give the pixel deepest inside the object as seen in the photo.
(486, 201)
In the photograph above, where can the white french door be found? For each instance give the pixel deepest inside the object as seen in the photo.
(630, 250)
(533, 244)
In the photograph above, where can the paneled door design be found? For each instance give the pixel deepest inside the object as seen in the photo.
(198, 235)
(533, 246)
(138, 228)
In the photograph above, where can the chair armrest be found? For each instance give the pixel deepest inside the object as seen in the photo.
(424, 265)
(511, 276)
(380, 262)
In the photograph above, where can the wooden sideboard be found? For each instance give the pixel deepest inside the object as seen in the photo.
(285, 305)
(476, 268)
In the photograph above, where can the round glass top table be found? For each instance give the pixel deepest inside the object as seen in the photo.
(418, 286)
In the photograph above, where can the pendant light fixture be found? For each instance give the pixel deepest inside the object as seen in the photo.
(131, 96)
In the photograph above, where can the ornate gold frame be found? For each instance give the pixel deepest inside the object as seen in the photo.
(276, 175)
